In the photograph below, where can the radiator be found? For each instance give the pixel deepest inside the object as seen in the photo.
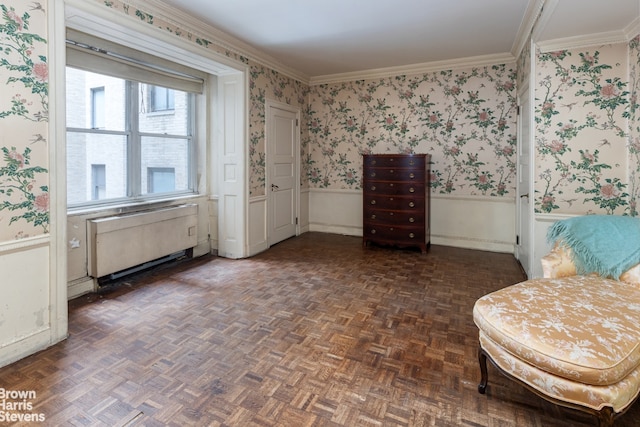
(119, 242)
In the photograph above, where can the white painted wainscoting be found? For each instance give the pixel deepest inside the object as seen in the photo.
(28, 322)
(484, 223)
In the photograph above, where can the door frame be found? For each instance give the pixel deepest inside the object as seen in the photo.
(269, 104)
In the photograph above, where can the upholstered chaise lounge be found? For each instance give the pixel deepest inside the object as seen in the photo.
(573, 339)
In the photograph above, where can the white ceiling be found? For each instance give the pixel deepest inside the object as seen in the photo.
(326, 37)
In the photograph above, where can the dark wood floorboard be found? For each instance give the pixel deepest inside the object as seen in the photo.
(316, 331)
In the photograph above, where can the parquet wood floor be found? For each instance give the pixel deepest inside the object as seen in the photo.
(316, 331)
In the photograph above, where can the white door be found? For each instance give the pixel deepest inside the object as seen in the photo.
(524, 200)
(282, 160)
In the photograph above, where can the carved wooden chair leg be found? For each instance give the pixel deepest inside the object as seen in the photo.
(606, 417)
(482, 358)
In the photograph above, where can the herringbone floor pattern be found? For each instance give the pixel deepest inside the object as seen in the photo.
(316, 331)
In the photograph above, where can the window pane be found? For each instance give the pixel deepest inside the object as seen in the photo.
(165, 164)
(161, 180)
(96, 167)
(95, 101)
(163, 111)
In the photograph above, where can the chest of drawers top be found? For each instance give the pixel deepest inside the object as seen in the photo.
(410, 161)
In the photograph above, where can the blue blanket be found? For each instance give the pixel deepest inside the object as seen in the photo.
(605, 244)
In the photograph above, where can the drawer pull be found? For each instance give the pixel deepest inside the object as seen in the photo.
(373, 188)
(390, 213)
(391, 159)
(373, 231)
(411, 204)
(373, 174)
(373, 162)
(390, 170)
(373, 216)
(411, 235)
(412, 175)
(390, 228)
(391, 199)
(373, 202)
(391, 184)
(412, 162)
(412, 190)
(412, 220)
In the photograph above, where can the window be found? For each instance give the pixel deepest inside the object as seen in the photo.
(161, 180)
(97, 108)
(116, 137)
(161, 99)
(98, 181)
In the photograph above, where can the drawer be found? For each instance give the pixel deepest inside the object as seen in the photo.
(397, 161)
(406, 218)
(391, 202)
(394, 188)
(394, 174)
(395, 233)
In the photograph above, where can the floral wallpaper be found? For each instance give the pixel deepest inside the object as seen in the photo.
(24, 191)
(586, 130)
(524, 65)
(634, 125)
(466, 120)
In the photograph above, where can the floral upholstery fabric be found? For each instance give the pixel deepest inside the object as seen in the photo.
(581, 328)
(618, 395)
(558, 263)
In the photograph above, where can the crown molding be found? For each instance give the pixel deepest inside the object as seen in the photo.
(633, 29)
(546, 12)
(610, 37)
(533, 12)
(425, 67)
(623, 35)
(193, 25)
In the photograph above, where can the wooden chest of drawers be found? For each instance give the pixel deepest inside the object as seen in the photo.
(396, 200)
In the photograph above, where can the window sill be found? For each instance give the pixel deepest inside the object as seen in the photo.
(130, 206)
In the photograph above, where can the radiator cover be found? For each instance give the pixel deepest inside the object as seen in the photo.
(123, 241)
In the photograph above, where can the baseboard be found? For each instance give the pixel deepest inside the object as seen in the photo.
(25, 346)
(336, 229)
(482, 245)
(80, 287)
(257, 248)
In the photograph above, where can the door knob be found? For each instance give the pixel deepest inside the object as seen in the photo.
(524, 195)
(274, 187)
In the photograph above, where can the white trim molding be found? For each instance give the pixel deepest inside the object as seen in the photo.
(24, 244)
(611, 37)
(422, 68)
(534, 9)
